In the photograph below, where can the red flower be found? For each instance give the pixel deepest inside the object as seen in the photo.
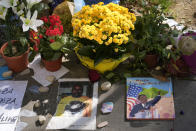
(53, 32)
(45, 19)
(35, 48)
(34, 37)
(93, 75)
(52, 40)
(61, 29)
(40, 36)
(54, 20)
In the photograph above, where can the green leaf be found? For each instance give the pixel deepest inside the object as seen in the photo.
(110, 75)
(98, 60)
(56, 56)
(86, 51)
(32, 56)
(142, 54)
(127, 75)
(65, 50)
(23, 41)
(40, 7)
(56, 45)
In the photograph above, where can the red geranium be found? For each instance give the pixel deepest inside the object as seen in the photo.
(50, 32)
(52, 40)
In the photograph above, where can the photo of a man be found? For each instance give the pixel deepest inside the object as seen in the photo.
(142, 109)
(75, 103)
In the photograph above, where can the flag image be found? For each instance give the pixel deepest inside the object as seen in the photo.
(132, 94)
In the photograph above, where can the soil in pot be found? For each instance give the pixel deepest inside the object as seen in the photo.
(15, 63)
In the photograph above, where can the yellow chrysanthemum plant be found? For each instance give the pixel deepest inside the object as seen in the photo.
(103, 33)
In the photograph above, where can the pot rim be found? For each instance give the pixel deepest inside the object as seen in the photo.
(13, 57)
(52, 60)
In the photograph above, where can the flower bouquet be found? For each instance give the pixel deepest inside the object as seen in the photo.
(17, 17)
(49, 42)
(103, 33)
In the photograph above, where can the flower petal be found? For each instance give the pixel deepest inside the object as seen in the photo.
(5, 3)
(39, 23)
(29, 14)
(34, 17)
(23, 19)
(34, 28)
(25, 28)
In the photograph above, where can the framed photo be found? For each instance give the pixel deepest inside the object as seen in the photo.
(76, 105)
(149, 98)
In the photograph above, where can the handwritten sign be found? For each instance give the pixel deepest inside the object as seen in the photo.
(11, 96)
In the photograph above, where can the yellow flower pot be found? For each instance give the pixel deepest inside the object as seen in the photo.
(104, 65)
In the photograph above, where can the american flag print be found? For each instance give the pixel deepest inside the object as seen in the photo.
(132, 94)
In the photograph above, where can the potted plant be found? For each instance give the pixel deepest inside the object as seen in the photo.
(16, 18)
(104, 41)
(153, 36)
(49, 42)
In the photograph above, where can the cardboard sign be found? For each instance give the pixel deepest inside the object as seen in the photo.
(11, 96)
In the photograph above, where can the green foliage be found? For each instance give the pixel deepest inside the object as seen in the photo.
(165, 4)
(52, 51)
(153, 92)
(56, 45)
(16, 48)
(11, 28)
(42, 8)
(152, 36)
(97, 52)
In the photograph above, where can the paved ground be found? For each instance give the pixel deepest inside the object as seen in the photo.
(184, 94)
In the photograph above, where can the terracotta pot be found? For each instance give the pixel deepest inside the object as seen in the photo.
(151, 60)
(52, 65)
(15, 63)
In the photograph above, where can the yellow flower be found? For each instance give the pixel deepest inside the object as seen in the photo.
(116, 50)
(94, 50)
(101, 22)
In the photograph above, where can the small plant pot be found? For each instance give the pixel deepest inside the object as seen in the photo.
(151, 60)
(15, 63)
(52, 66)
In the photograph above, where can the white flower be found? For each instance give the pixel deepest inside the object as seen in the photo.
(169, 47)
(187, 45)
(30, 3)
(31, 22)
(8, 3)
(3, 12)
(19, 10)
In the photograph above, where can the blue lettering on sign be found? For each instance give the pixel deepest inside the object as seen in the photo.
(7, 119)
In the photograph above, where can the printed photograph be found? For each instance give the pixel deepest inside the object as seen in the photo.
(74, 99)
(149, 98)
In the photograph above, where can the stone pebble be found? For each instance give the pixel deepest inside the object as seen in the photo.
(102, 124)
(106, 86)
(43, 89)
(7, 74)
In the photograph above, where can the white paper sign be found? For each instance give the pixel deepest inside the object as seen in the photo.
(11, 96)
(40, 73)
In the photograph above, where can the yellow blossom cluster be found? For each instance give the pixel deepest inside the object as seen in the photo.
(105, 24)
